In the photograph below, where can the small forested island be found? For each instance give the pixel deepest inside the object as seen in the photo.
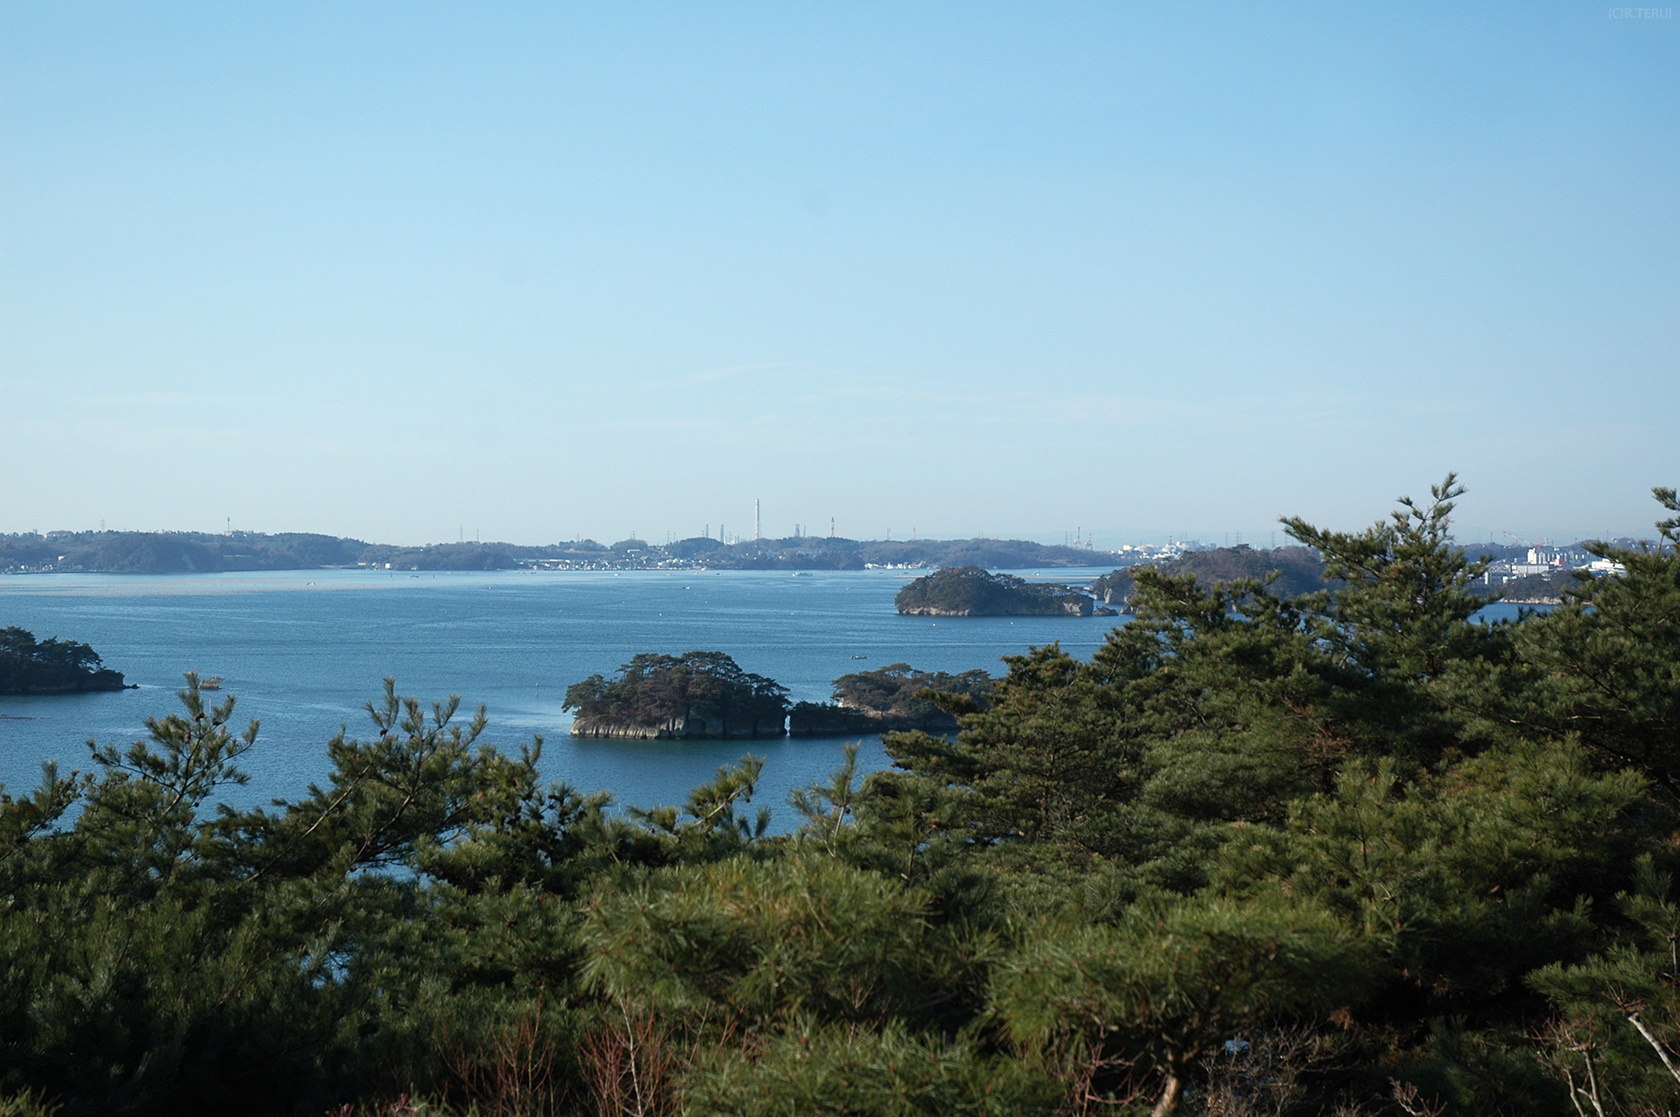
(970, 591)
(51, 666)
(894, 698)
(694, 696)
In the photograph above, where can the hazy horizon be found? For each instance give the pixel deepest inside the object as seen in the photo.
(1102, 540)
(539, 274)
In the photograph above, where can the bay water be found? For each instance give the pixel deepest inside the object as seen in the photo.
(303, 651)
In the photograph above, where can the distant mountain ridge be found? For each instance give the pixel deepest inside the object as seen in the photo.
(140, 552)
(146, 552)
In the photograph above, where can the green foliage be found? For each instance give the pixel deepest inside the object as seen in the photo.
(1466, 878)
(890, 1072)
(767, 941)
(1614, 1038)
(135, 975)
(1606, 665)
(1168, 984)
(27, 1103)
(708, 822)
(1400, 623)
(23, 820)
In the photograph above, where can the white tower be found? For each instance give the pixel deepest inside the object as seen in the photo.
(758, 524)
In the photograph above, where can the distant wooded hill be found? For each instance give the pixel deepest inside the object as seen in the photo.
(135, 552)
(806, 553)
(144, 552)
(1300, 570)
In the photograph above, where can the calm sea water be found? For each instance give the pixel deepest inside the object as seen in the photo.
(304, 651)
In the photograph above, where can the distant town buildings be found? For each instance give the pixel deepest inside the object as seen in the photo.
(1133, 553)
(1548, 560)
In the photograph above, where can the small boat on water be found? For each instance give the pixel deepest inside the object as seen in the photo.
(214, 682)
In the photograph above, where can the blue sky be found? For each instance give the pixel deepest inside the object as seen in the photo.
(398, 271)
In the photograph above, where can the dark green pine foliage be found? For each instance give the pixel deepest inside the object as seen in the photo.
(1400, 624)
(1606, 665)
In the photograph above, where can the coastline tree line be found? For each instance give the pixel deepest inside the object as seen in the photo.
(1346, 852)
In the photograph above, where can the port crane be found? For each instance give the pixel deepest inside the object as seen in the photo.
(1538, 550)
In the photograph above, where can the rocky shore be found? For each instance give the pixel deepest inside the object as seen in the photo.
(92, 682)
(826, 719)
(676, 729)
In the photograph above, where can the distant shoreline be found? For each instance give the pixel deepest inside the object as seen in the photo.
(233, 552)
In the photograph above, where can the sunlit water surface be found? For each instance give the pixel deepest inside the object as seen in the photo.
(304, 651)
